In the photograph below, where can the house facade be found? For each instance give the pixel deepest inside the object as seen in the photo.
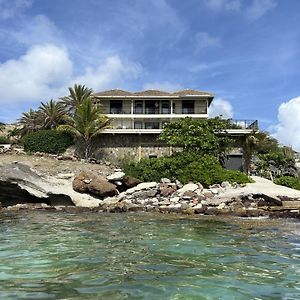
(139, 117)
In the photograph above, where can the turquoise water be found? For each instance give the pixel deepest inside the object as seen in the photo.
(141, 256)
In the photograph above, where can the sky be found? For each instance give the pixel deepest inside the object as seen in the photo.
(245, 52)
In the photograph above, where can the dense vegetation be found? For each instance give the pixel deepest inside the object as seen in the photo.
(47, 141)
(184, 166)
(288, 181)
(205, 136)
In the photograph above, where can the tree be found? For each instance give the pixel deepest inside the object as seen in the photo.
(203, 136)
(51, 114)
(30, 121)
(78, 94)
(2, 126)
(87, 123)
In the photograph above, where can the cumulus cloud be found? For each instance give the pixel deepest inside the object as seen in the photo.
(46, 71)
(35, 75)
(287, 131)
(204, 40)
(109, 74)
(220, 107)
(163, 86)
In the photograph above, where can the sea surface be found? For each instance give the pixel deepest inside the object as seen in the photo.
(56, 255)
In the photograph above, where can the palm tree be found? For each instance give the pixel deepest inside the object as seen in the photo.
(2, 126)
(87, 123)
(30, 121)
(52, 113)
(78, 94)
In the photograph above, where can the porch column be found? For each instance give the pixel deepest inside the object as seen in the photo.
(171, 106)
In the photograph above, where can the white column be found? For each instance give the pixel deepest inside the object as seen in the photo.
(171, 106)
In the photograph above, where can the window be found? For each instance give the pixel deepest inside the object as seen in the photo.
(188, 107)
(165, 107)
(138, 108)
(151, 125)
(151, 107)
(138, 125)
(116, 106)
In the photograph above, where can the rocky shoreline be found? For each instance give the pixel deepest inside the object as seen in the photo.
(22, 188)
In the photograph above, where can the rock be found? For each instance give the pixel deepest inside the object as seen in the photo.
(189, 195)
(65, 176)
(143, 194)
(110, 201)
(200, 186)
(225, 185)
(221, 206)
(165, 202)
(130, 182)
(208, 194)
(88, 182)
(116, 176)
(183, 206)
(174, 199)
(141, 186)
(178, 184)
(214, 191)
(165, 180)
(165, 190)
(188, 187)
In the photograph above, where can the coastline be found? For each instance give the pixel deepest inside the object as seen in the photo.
(55, 177)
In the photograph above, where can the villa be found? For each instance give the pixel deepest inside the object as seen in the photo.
(139, 117)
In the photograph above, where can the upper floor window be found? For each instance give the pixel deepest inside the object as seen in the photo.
(165, 107)
(116, 106)
(138, 107)
(151, 107)
(188, 107)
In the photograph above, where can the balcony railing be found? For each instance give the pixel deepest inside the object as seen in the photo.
(245, 124)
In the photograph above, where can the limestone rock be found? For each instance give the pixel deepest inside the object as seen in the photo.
(116, 176)
(188, 187)
(141, 186)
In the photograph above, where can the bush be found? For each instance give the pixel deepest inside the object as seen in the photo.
(47, 141)
(288, 181)
(186, 167)
(4, 139)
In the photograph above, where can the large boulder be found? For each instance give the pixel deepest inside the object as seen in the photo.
(88, 182)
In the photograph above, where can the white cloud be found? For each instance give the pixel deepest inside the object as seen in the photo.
(37, 30)
(109, 74)
(204, 40)
(11, 8)
(46, 71)
(287, 131)
(34, 75)
(255, 10)
(259, 7)
(163, 86)
(220, 107)
(230, 5)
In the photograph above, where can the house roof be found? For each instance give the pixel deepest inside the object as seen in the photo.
(153, 93)
(115, 92)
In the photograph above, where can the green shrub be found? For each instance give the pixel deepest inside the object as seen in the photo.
(186, 167)
(288, 181)
(4, 139)
(47, 141)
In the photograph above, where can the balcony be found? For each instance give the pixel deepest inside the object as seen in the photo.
(244, 124)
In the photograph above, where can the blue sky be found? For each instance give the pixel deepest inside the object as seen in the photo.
(246, 52)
